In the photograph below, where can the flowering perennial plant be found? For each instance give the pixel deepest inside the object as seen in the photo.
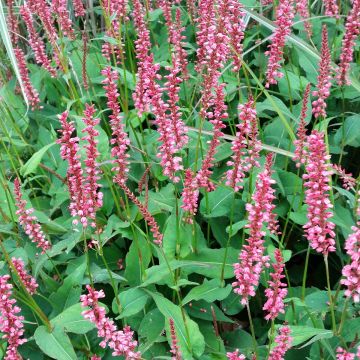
(319, 230)
(276, 292)
(27, 280)
(11, 324)
(251, 258)
(120, 341)
(283, 343)
(324, 78)
(29, 222)
(284, 16)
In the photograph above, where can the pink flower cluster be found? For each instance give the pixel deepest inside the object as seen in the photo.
(235, 355)
(85, 198)
(347, 179)
(59, 7)
(12, 22)
(319, 230)
(216, 118)
(246, 138)
(35, 41)
(31, 93)
(27, 280)
(10, 323)
(213, 49)
(190, 195)
(351, 272)
(172, 85)
(331, 8)
(69, 151)
(302, 8)
(235, 27)
(120, 140)
(283, 344)
(174, 342)
(251, 258)
(342, 354)
(29, 222)
(276, 292)
(324, 78)
(284, 17)
(147, 70)
(79, 8)
(154, 228)
(352, 31)
(300, 142)
(120, 341)
(91, 186)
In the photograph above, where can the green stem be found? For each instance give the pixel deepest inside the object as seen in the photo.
(329, 293)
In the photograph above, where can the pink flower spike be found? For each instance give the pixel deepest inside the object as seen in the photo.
(78, 8)
(190, 195)
(147, 71)
(246, 137)
(283, 344)
(302, 7)
(91, 186)
(300, 142)
(251, 258)
(36, 43)
(12, 22)
(319, 230)
(59, 7)
(342, 354)
(69, 151)
(352, 30)
(120, 140)
(216, 118)
(174, 342)
(348, 181)
(276, 292)
(11, 324)
(331, 8)
(29, 222)
(27, 280)
(324, 78)
(120, 341)
(284, 17)
(235, 355)
(31, 93)
(351, 272)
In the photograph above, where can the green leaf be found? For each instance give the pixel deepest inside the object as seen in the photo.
(209, 262)
(218, 203)
(209, 291)
(71, 320)
(132, 301)
(300, 334)
(56, 344)
(31, 165)
(151, 328)
(68, 294)
(349, 132)
(191, 343)
(162, 200)
(177, 241)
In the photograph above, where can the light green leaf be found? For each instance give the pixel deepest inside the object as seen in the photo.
(71, 320)
(209, 291)
(191, 342)
(132, 301)
(56, 344)
(31, 165)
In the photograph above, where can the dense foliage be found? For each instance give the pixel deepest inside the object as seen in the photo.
(178, 179)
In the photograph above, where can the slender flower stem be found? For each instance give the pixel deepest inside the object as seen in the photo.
(252, 328)
(333, 320)
(303, 288)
